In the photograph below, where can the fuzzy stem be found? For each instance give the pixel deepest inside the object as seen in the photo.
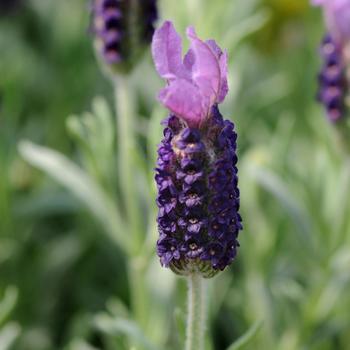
(126, 150)
(125, 121)
(196, 313)
(139, 295)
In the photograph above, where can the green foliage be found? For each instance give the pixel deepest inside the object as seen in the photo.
(77, 261)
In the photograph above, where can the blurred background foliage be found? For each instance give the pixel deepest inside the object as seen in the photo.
(71, 279)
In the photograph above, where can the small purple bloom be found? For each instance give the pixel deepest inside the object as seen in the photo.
(168, 249)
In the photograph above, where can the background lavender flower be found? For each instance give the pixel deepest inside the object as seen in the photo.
(333, 80)
(122, 29)
(333, 87)
(196, 174)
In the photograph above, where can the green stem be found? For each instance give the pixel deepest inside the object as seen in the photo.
(343, 135)
(196, 313)
(126, 175)
(139, 296)
(126, 150)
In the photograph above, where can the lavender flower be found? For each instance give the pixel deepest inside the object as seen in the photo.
(122, 29)
(333, 79)
(196, 173)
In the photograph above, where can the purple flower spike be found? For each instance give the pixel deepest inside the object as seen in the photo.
(198, 197)
(333, 87)
(337, 15)
(194, 83)
(335, 48)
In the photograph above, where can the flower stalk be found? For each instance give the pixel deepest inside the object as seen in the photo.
(125, 121)
(196, 313)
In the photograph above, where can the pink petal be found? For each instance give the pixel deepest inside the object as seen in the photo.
(184, 100)
(189, 60)
(205, 68)
(342, 18)
(337, 14)
(222, 57)
(167, 51)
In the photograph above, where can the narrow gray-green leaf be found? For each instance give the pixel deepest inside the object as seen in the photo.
(8, 303)
(8, 335)
(274, 185)
(80, 344)
(245, 28)
(80, 184)
(246, 337)
(125, 327)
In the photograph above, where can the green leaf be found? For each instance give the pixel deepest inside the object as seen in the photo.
(246, 337)
(274, 185)
(121, 326)
(180, 321)
(8, 335)
(8, 303)
(244, 28)
(80, 344)
(81, 185)
(94, 133)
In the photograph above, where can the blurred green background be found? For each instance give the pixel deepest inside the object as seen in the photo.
(68, 278)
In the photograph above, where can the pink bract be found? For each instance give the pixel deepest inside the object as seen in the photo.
(194, 83)
(337, 14)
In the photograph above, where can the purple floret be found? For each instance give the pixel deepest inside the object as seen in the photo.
(198, 197)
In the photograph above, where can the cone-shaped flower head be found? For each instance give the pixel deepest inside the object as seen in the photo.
(334, 77)
(196, 173)
(122, 30)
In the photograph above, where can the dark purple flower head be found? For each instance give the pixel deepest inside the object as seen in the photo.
(198, 198)
(333, 84)
(122, 29)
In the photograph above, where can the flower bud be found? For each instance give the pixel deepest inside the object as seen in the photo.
(122, 30)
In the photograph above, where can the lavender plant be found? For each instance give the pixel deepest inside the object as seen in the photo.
(294, 276)
(196, 173)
